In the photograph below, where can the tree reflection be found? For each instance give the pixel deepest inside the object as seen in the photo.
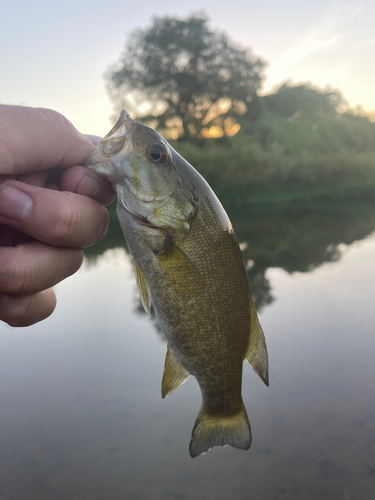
(260, 287)
(297, 237)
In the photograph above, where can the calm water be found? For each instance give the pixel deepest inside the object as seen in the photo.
(81, 414)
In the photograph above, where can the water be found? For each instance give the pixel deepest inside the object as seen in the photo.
(81, 414)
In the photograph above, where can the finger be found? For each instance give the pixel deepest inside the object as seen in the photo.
(53, 217)
(36, 139)
(27, 310)
(35, 266)
(53, 186)
(10, 236)
(35, 178)
(81, 180)
(95, 139)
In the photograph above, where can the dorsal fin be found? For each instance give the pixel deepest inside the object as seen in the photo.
(256, 354)
(174, 374)
(143, 289)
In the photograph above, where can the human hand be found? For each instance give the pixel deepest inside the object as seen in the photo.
(50, 208)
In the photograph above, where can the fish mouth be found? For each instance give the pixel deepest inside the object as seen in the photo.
(123, 119)
(125, 202)
(145, 197)
(109, 146)
(137, 217)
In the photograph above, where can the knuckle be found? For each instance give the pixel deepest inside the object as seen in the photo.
(14, 310)
(75, 261)
(13, 276)
(57, 121)
(19, 312)
(103, 225)
(27, 310)
(99, 229)
(77, 222)
(64, 225)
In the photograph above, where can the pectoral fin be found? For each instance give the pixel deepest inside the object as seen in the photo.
(143, 289)
(256, 354)
(183, 253)
(174, 374)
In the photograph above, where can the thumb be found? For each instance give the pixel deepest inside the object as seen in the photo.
(37, 139)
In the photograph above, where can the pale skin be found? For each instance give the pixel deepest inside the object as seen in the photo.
(47, 215)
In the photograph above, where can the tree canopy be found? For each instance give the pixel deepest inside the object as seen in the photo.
(304, 100)
(196, 81)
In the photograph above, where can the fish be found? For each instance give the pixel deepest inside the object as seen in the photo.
(190, 269)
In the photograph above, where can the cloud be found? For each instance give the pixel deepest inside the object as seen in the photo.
(295, 55)
(334, 51)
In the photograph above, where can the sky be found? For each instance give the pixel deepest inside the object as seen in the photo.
(55, 54)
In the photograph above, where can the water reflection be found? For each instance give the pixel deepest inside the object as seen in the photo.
(297, 238)
(81, 412)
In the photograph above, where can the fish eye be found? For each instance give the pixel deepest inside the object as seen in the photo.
(158, 153)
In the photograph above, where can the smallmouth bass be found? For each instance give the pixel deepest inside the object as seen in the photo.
(188, 265)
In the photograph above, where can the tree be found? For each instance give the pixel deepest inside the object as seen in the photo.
(305, 100)
(195, 80)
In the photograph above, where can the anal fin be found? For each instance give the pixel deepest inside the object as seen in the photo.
(174, 374)
(256, 354)
(143, 289)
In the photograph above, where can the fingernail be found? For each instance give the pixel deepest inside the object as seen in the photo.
(15, 204)
(88, 186)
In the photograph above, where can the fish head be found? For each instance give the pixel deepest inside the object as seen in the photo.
(142, 168)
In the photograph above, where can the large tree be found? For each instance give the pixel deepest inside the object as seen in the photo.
(196, 81)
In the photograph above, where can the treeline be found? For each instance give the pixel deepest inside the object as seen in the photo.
(303, 145)
(202, 89)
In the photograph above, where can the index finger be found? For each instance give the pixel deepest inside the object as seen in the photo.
(37, 139)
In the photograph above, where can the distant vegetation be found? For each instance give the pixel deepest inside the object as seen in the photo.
(298, 144)
(302, 146)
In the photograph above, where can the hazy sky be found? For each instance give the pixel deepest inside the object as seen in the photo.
(54, 54)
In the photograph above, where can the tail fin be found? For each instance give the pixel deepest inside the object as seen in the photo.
(210, 431)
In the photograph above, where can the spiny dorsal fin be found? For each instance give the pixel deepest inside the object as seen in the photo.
(174, 374)
(143, 289)
(256, 354)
